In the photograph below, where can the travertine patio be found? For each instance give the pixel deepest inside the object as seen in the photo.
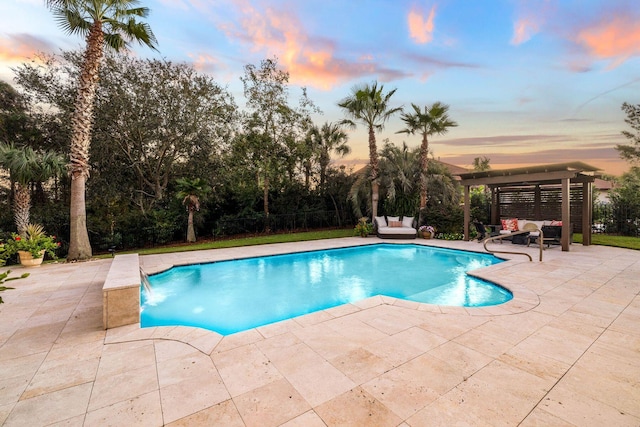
(565, 351)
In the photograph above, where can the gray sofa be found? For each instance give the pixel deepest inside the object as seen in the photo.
(392, 227)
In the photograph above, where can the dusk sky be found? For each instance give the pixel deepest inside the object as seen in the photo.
(529, 82)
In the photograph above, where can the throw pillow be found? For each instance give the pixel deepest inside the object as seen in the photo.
(393, 218)
(510, 224)
(407, 221)
(556, 223)
(397, 224)
(381, 221)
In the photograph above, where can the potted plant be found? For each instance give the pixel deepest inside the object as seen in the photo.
(363, 227)
(32, 246)
(427, 231)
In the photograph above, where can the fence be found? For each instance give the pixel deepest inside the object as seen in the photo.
(616, 219)
(259, 223)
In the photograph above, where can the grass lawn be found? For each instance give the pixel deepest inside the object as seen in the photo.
(246, 241)
(626, 242)
(597, 239)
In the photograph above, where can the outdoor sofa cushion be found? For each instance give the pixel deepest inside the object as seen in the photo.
(395, 228)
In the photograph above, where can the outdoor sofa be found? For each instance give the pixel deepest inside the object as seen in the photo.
(552, 230)
(392, 227)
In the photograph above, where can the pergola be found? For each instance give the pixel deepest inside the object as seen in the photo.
(561, 191)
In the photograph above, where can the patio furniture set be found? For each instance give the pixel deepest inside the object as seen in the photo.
(530, 231)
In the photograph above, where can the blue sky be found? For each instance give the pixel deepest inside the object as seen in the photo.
(529, 82)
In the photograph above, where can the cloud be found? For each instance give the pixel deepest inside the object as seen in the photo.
(421, 28)
(438, 63)
(503, 140)
(617, 38)
(20, 47)
(523, 30)
(309, 60)
(206, 63)
(595, 156)
(532, 17)
(608, 32)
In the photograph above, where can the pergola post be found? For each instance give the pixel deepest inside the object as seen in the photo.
(566, 215)
(467, 212)
(587, 212)
(495, 205)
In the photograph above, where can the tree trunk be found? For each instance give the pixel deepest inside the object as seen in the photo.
(424, 164)
(81, 125)
(307, 175)
(373, 159)
(79, 246)
(265, 194)
(324, 165)
(265, 202)
(21, 208)
(191, 233)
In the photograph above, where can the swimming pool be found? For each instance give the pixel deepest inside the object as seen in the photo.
(232, 296)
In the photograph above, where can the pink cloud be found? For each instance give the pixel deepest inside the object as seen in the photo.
(205, 62)
(617, 39)
(309, 60)
(20, 47)
(523, 30)
(421, 28)
(531, 17)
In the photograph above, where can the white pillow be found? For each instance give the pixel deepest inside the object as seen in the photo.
(393, 218)
(407, 221)
(381, 221)
(521, 223)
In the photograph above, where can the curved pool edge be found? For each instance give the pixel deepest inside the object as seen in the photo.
(209, 342)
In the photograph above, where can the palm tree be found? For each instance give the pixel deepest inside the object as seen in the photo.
(399, 176)
(434, 120)
(369, 105)
(481, 164)
(190, 191)
(110, 23)
(326, 139)
(399, 179)
(26, 166)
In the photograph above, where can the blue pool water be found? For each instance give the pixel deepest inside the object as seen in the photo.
(232, 296)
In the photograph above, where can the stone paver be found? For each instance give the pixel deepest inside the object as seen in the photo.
(564, 352)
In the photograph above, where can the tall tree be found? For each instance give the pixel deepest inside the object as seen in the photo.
(27, 166)
(103, 23)
(369, 105)
(631, 152)
(160, 117)
(327, 139)
(433, 120)
(190, 191)
(273, 127)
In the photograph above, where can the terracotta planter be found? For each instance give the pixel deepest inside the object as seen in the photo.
(27, 260)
